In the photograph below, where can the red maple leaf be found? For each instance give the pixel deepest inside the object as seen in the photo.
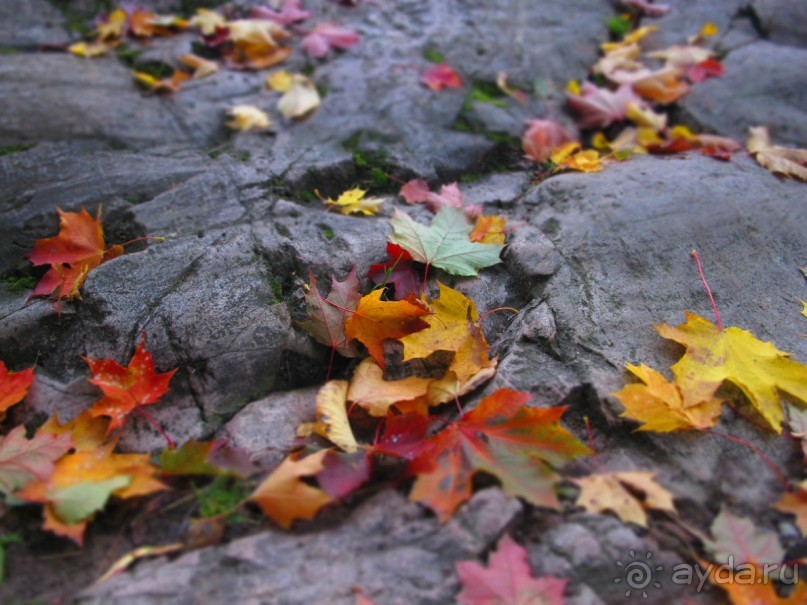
(72, 254)
(441, 76)
(502, 437)
(397, 271)
(127, 388)
(507, 580)
(13, 386)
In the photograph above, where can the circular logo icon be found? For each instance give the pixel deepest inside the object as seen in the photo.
(637, 574)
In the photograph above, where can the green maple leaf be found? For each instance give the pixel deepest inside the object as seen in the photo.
(445, 244)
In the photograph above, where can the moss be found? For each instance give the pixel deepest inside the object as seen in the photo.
(308, 196)
(277, 288)
(18, 284)
(128, 55)
(434, 56)
(485, 92)
(620, 25)
(282, 230)
(15, 148)
(328, 233)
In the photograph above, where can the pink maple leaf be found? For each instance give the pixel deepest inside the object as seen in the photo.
(328, 36)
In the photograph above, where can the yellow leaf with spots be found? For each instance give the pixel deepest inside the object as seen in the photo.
(659, 404)
(332, 421)
(757, 368)
(284, 497)
(353, 201)
(629, 495)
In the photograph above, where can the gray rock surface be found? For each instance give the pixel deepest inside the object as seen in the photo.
(29, 24)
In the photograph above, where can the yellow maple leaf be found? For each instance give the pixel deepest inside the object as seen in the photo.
(615, 492)
(207, 21)
(279, 81)
(659, 404)
(301, 98)
(490, 229)
(353, 201)
(568, 157)
(332, 421)
(285, 498)
(113, 27)
(376, 395)
(758, 368)
(90, 49)
(87, 431)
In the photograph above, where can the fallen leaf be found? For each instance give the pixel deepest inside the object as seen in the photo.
(502, 437)
(664, 86)
(13, 387)
(147, 24)
(795, 503)
(81, 484)
(126, 388)
(353, 201)
(746, 587)
(711, 68)
(24, 460)
(112, 26)
(397, 271)
(659, 404)
(779, 160)
(191, 458)
(490, 229)
(291, 11)
(208, 21)
(327, 316)
(417, 191)
(88, 432)
(202, 68)
(165, 85)
(256, 43)
(445, 244)
(682, 56)
(247, 118)
(543, 137)
(376, 320)
(637, 35)
(326, 37)
(280, 81)
(617, 492)
(369, 390)
(343, 472)
(299, 101)
(332, 421)
(72, 254)
(90, 49)
(510, 91)
(599, 107)
(569, 157)
(713, 356)
(741, 540)
(507, 580)
(284, 497)
(441, 76)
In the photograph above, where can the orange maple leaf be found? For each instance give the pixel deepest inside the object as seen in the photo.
(126, 388)
(375, 320)
(502, 437)
(13, 386)
(72, 254)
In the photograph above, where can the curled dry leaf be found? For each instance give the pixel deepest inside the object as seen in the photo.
(627, 494)
(779, 160)
(248, 118)
(300, 99)
(207, 21)
(332, 421)
(353, 201)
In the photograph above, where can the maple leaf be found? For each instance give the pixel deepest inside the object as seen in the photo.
(746, 588)
(779, 160)
(285, 498)
(299, 101)
(740, 540)
(24, 460)
(344, 472)
(398, 271)
(507, 580)
(599, 107)
(81, 484)
(659, 404)
(126, 388)
(417, 191)
(326, 37)
(616, 492)
(353, 201)
(207, 21)
(569, 157)
(112, 26)
(664, 86)
(375, 320)
(192, 458)
(502, 437)
(147, 24)
(86, 431)
(441, 76)
(248, 118)
(490, 229)
(713, 356)
(13, 387)
(165, 85)
(327, 316)
(90, 49)
(256, 43)
(445, 244)
(291, 11)
(332, 421)
(72, 254)
(201, 67)
(542, 137)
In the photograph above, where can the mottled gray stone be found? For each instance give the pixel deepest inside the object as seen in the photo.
(26, 24)
(530, 254)
(783, 21)
(388, 547)
(764, 85)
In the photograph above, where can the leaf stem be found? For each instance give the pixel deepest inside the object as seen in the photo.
(156, 425)
(498, 309)
(708, 289)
